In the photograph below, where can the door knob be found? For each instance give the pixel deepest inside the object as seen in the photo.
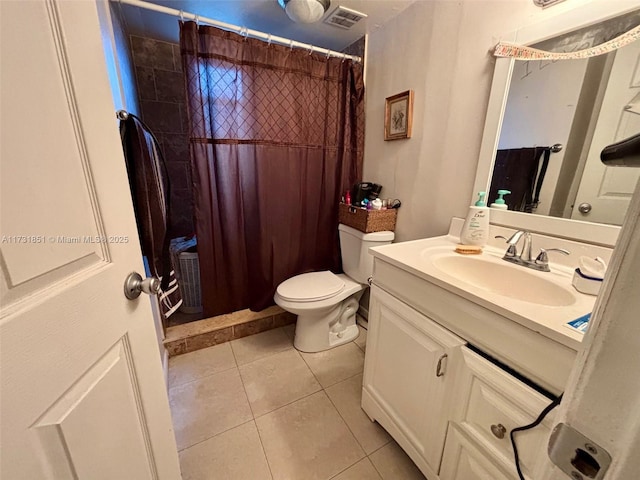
(584, 207)
(134, 285)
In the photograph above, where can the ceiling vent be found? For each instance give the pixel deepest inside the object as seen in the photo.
(343, 17)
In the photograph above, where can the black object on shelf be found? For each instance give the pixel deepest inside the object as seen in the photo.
(363, 190)
(375, 191)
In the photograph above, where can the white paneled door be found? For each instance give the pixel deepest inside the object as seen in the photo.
(82, 393)
(606, 190)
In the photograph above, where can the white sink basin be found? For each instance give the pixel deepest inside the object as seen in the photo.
(512, 281)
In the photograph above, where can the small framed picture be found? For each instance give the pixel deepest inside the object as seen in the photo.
(398, 116)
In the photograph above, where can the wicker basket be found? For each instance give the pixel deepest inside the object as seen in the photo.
(367, 221)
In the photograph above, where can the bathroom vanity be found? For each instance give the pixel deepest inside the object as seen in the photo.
(461, 349)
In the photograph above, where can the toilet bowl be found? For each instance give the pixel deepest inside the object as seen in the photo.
(326, 306)
(326, 303)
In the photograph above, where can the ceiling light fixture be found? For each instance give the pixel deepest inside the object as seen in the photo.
(305, 11)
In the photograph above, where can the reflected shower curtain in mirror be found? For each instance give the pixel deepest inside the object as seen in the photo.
(276, 137)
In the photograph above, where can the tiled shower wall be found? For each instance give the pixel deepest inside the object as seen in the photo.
(356, 48)
(162, 99)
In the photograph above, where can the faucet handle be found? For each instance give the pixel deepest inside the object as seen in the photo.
(543, 258)
(511, 251)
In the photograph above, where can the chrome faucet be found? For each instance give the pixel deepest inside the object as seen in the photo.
(524, 258)
(525, 253)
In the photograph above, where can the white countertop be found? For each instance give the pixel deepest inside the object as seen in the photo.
(549, 321)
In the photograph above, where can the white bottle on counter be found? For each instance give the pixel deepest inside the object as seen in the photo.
(475, 230)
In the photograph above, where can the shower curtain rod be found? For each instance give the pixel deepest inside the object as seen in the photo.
(236, 28)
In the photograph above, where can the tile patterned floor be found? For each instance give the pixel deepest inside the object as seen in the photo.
(256, 408)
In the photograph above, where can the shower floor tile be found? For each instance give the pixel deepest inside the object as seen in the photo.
(255, 405)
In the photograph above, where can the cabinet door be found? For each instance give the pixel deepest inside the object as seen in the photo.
(462, 460)
(409, 374)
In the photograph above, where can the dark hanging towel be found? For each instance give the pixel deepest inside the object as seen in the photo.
(150, 192)
(521, 171)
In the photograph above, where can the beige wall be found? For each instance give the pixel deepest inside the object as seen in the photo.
(440, 49)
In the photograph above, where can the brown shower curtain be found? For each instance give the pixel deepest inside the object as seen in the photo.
(276, 137)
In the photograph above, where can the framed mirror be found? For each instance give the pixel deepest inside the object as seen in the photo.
(534, 105)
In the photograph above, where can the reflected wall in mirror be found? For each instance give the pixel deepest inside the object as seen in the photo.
(584, 105)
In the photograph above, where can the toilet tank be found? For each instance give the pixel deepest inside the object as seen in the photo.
(357, 262)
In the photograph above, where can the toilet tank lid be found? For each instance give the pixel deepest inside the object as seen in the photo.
(310, 287)
(369, 237)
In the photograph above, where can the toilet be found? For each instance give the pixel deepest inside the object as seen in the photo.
(326, 303)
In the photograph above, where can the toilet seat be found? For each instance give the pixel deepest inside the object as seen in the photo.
(311, 287)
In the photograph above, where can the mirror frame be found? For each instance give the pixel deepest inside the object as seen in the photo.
(567, 21)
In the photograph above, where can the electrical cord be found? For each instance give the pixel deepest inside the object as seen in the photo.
(535, 423)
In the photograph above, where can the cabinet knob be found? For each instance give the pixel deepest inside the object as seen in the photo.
(498, 431)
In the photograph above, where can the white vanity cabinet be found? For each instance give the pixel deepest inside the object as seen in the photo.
(409, 377)
(447, 404)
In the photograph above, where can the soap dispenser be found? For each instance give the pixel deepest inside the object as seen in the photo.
(475, 230)
(500, 203)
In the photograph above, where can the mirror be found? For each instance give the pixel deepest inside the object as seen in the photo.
(568, 102)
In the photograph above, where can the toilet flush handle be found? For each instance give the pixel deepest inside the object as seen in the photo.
(370, 281)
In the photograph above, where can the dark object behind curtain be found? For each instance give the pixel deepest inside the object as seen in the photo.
(276, 137)
(149, 190)
(520, 171)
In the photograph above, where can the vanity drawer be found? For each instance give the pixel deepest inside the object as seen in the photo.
(464, 459)
(490, 402)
